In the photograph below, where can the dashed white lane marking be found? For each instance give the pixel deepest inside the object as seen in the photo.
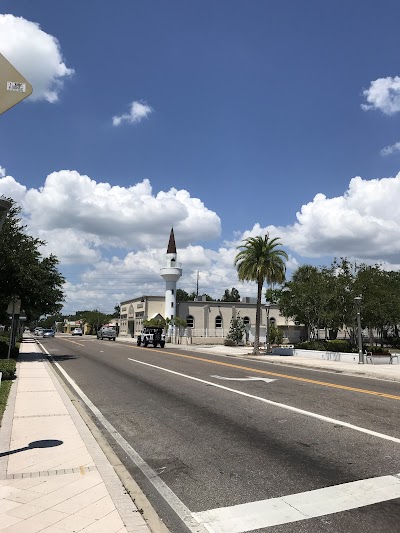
(302, 506)
(277, 404)
(248, 378)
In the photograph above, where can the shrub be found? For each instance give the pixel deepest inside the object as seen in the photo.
(229, 342)
(376, 349)
(4, 350)
(339, 345)
(7, 367)
(312, 345)
(236, 332)
(394, 342)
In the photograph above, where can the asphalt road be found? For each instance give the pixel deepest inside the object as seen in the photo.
(219, 434)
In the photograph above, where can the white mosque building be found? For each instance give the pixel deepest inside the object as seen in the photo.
(207, 322)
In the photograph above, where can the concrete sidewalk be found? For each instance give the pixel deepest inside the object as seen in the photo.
(54, 478)
(378, 371)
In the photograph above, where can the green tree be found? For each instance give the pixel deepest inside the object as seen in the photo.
(50, 321)
(94, 319)
(273, 295)
(179, 327)
(302, 298)
(231, 295)
(323, 297)
(25, 273)
(275, 334)
(183, 296)
(260, 259)
(236, 331)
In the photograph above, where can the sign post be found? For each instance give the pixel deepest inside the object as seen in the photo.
(13, 86)
(14, 309)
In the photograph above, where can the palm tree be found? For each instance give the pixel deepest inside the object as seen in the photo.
(260, 260)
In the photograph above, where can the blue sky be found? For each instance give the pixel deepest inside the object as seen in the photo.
(253, 108)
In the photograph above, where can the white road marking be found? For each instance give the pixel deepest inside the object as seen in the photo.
(277, 404)
(169, 496)
(302, 506)
(265, 513)
(248, 378)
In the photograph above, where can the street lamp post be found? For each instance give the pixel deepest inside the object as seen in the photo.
(358, 300)
(267, 307)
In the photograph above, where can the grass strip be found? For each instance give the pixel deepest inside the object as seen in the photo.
(5, 387)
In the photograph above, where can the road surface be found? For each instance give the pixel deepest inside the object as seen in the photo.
(224, 445)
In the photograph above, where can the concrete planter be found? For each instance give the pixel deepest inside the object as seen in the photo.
(330, 356)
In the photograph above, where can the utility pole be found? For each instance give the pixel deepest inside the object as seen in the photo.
(197, 285)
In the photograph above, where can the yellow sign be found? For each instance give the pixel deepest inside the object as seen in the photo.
(13, 86)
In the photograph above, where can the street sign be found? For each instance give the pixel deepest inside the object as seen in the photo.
(13, 86)
(14, 307)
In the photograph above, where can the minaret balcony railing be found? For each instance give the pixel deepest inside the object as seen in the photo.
(173, 264)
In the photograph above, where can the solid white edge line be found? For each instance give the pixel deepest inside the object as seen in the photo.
(277, 404)
(162, 488)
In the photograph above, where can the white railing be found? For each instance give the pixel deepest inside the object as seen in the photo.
(198, 332)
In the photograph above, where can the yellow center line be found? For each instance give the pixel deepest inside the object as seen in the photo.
(286, 376)
(73, 342)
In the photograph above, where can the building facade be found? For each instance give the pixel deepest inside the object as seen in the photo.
(207, 322)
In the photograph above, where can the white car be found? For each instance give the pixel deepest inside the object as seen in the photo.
(77, 331)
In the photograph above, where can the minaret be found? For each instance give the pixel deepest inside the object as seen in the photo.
(171, 273)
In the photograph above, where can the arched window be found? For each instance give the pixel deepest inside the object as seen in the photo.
(246, 321)
(190, 321)
(218, 321)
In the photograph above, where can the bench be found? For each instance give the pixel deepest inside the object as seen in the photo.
(369, 357)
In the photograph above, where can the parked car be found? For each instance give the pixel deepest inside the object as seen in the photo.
(106, 333)
(77, 331)
(151, 335)
(48, 333)
(38, 332)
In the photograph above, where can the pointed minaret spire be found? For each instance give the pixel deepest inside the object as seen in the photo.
(171, 244)
(171, 272)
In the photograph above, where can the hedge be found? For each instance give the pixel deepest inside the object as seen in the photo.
(7, 367)
(4, 348)
(337, 345)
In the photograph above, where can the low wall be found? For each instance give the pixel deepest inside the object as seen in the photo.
(328, 356)
(199, 340)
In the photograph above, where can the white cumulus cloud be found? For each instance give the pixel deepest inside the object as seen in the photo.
(138, 112)
(383, 94)
(35, 54)
(388, 150)
(79, 217)
(115, 237)
(363, 223)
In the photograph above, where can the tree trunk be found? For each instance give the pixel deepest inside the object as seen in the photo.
(256, 350)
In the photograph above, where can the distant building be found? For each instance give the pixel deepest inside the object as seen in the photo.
(207, 322)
